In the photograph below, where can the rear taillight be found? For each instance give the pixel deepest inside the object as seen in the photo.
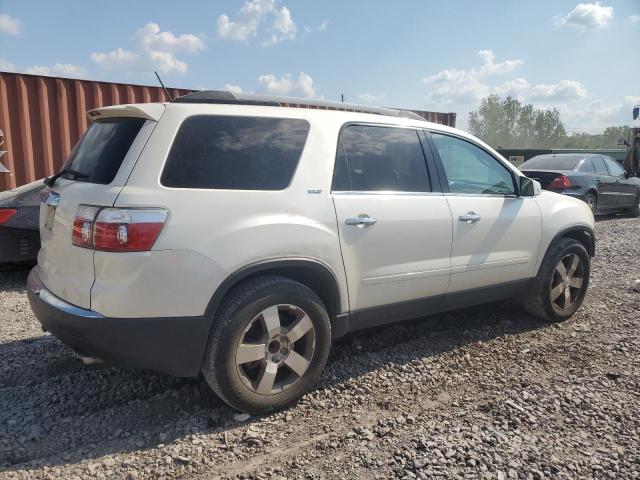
(6, 214)
(118, 229)
(560, 183)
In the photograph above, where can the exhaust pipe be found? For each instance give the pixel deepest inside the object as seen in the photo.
(86, 359)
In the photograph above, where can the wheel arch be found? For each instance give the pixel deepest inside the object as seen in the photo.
(582, 233)
(314, 274)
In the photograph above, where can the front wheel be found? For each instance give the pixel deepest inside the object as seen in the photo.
(268, 345)
(562, 282)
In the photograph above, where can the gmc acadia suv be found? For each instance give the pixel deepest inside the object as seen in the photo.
(238, 235)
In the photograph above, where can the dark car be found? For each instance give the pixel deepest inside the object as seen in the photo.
(19, 232)
(597, 179)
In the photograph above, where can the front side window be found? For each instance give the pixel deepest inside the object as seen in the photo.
(100, 152)
(471, 170)
(615, 169)
(601, 168)
(372, 158)
(235, 153)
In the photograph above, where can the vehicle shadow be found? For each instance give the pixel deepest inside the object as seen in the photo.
(57, 411)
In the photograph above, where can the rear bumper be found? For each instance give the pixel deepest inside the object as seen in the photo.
(173, 345)
(18, 245)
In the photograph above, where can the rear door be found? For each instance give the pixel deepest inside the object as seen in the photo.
(626, 191)
(103, 157)
(607, 196)
(496, 234)
(394, 226)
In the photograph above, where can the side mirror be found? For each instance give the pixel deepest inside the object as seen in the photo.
(622, 141)
(529, 187)
(636, 112)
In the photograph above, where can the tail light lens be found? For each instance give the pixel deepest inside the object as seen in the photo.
(560, 183)
(6, 214)
(118, 229)
(82, 233)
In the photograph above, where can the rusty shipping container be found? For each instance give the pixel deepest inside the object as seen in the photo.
(43, 117)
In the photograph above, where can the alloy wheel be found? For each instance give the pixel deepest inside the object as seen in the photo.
(275, 349)
(567, 283)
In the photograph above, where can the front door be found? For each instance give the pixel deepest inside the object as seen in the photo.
(496, 235)
(626, 190)
(395, 231)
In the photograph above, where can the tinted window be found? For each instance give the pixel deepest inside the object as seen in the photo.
(100, 152)
(614, 168)
(239, 153)
(546, 162)
(380, 159)
(469, 169)
(601, 168)
(587, 166)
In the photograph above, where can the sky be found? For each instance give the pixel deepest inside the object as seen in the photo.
(581, 58)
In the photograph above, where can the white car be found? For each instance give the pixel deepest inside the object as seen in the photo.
(238, 235)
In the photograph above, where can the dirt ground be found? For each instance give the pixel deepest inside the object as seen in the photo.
(485, 392)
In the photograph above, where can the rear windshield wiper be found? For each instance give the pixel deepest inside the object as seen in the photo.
(49, 181)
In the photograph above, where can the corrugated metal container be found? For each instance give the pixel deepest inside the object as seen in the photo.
(43, 117)
(448, 119)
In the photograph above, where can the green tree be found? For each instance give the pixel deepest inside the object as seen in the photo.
(510, 124)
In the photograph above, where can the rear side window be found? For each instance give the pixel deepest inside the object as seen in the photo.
(100, 152)
(235, 153)
(372, 158)
(601, 168)
(587, 166)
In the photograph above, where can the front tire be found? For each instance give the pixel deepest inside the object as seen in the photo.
(562, 282)
(268, 346)
(635, 210)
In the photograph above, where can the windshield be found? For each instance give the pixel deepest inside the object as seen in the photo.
(545, 162)
(101, 150)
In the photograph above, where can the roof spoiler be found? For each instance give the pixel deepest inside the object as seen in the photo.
(149, 111)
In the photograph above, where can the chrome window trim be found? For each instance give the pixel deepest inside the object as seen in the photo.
(386, 192)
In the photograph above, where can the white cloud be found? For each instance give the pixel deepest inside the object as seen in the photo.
(321, 27)
(151, 38)
(371, 97)
(251, 16)
(451, 86)
(10, 25)
(562, 91)
(232, 88)
(286, 85)
(634, 18)
(587, 15)
(516, 88)
(595, 115)
(284, 28)
(153, 50)
(6, 66)
(58, 70)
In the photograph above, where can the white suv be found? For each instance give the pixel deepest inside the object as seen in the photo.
(238, 235)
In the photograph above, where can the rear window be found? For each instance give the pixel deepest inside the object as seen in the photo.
(551, 163)
(237, 153)
(100, 152)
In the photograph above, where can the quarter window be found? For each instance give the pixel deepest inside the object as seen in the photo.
(469, 169)
(615, 169)
(239, 153)
(372, 158)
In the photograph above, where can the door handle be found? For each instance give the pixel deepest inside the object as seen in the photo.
(362, 220)
(469, 217)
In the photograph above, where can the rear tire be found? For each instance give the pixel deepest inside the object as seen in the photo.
(268, 346)
(591, 200)
(562, 282)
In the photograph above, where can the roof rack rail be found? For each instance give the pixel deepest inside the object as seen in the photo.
(223, 97)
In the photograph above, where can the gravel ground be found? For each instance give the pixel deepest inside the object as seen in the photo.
(485, 392)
